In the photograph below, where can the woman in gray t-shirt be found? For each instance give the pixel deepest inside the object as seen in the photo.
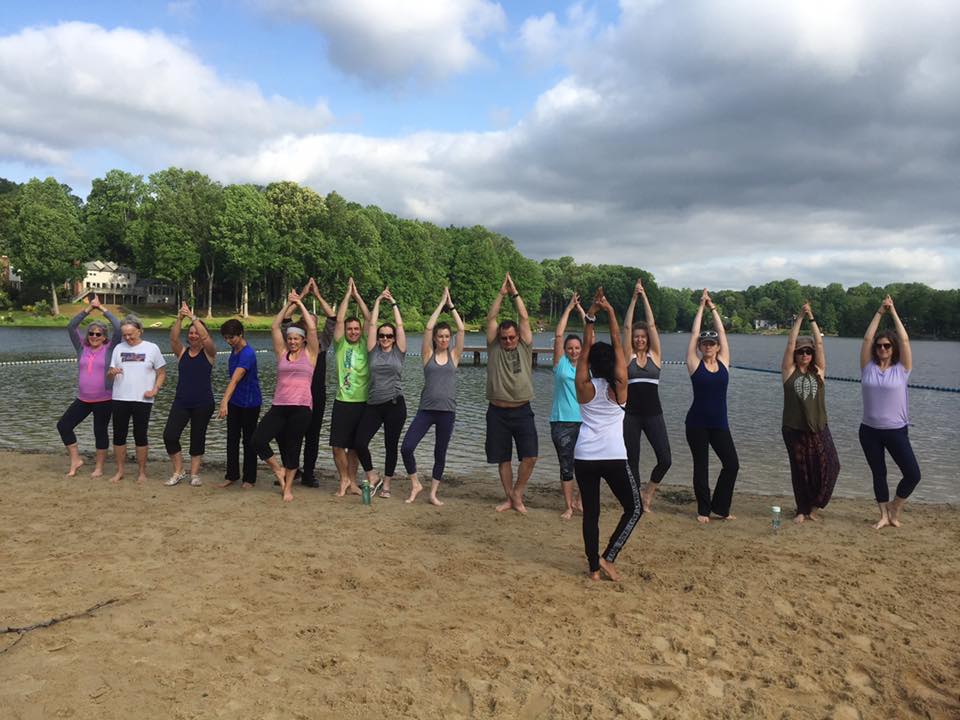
(438, 400)
(386, 348)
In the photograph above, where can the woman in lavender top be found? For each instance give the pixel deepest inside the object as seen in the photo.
(885, 365)
(93, 345)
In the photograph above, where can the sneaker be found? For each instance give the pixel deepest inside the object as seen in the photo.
(175, 479)
(310, 481)
(195, 481)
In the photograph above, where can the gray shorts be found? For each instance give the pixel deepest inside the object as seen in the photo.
(564, 436)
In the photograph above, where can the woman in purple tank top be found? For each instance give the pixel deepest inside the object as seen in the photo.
(289, 416)
(885, 365)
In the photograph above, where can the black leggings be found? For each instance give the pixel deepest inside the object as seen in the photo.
(199, 419)
(700, 441)
(311, 439)
(241, 423)
(897, 443)
(625, 487)
(77, 413)
(654, 427)
(123, 410)
(422, 421)
(286, 423)
(391, 415)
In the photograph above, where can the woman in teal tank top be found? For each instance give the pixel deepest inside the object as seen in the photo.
(565, 413)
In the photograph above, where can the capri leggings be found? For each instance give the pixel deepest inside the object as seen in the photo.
(199, 419)
(286, 423)
(123, 411)
(422, 422)
(896, 442)
(655, 429)
(391, 415)
(77, 413)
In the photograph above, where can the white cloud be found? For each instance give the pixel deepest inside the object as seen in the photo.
(385, 42)
(545, 40)
(78, 85)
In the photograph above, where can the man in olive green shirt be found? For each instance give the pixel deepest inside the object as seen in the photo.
(509, 391)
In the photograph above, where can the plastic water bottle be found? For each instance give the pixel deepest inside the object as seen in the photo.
(775, 517)
(365, 491)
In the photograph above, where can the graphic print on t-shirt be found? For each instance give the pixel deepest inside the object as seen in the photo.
(133, 357)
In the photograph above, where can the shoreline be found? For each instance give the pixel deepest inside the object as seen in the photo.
(230, 603)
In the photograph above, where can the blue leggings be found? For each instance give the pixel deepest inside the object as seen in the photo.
(418, 428)
(897, 443)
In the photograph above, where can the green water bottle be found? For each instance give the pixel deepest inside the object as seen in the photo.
(775, 518)
(365, 491)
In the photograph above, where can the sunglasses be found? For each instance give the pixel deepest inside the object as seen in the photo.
(804, 351)
(883, 346)
(94, 334)
(384, 336)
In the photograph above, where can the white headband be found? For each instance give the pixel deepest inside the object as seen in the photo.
(294, 330)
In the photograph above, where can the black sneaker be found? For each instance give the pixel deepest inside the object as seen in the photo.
(309, 481)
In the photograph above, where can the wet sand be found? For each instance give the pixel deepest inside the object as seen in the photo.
(232, 604)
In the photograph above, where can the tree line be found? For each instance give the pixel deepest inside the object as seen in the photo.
(243, 246)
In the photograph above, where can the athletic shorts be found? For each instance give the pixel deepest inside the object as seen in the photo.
(564, 436)
(506, 426)
(344, 423)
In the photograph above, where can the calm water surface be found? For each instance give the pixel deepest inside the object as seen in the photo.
(35, 395)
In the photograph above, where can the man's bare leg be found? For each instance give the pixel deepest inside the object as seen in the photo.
(505, 470)
(347, 463)
(142, 453)
(120, 456)
(76, 462)
(353, 461)
(524, 471)
(98, 465)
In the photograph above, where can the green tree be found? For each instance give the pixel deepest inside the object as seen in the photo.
(113, 217)
(46, 243)
(242, 234)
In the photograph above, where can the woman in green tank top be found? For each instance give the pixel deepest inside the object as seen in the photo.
(814, 464)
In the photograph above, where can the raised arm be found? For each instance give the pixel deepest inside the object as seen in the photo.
(562, 329)
(723, 354)
(787, 364)
(653, 337)
(523, 318)
(494, 312)
(620, 361)
(342, 313)
(175, 345)
(426, 350)
(326, 334)
(693, 360)
(313, 341)
(820, 353)
(585, 389)
(906, 354)
(461, 330)
(279, 346)
(628, 318)
(364, 310)
(866, 347)
(401, 339)
(73, 329)
(372, 323)
(115, 337)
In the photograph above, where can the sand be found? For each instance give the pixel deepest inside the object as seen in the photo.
(231, 604)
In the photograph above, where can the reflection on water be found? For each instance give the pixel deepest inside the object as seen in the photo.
(35, 395)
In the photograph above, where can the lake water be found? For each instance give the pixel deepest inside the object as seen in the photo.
(35, 395)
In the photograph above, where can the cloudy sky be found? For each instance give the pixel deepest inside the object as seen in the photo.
(713, 142)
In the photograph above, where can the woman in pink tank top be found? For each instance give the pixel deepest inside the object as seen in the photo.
(289, 416)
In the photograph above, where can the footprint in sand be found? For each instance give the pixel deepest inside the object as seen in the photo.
(656, 691)
(919, 687)
(783, 607)
(842, 711)
(859, 679)
(537, 706)
(461, 704)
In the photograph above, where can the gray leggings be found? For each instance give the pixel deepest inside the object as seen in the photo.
(655, 429)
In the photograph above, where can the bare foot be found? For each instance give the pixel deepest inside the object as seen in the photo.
(97, 472)
(505, 505)
(74, 466)
(893, 512)
(609, 570)
(895, 521)
(578, 505)
(813, 518)
(799, 518)
(415, 489)
(434, 500)
(224, 484)
(727, 517)
(703, 519)
(567, 514)
(518, 505)
(884, 522)
(349, 487)
(646, 496)
(247, 486)
(117, 478)
(287, 495)
(141, 478)
(595, 576)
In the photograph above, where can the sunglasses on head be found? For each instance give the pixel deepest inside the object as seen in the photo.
(384, 336)
(804, 351)
(883, 346)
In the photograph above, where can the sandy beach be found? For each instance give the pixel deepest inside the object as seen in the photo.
(231, 604)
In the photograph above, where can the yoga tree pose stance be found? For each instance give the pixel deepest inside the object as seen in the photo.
(565, 411)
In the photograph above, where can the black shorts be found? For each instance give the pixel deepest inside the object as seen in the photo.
(506, 426)
(344, 422)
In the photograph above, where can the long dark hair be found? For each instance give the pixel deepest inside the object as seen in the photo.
(603, 362)
(894, 351)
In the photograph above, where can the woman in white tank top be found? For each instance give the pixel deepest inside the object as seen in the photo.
(600, 452)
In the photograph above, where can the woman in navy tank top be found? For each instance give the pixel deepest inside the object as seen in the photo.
(708, 357)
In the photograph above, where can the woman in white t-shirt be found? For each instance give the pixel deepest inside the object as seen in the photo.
(600, 452)
(137, 369)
